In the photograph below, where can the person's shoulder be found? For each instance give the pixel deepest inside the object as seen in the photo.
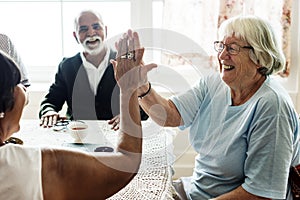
(4, 36)
(74, 60)
(76, 57)
(273, 94)
(20, 149)
(274, 88)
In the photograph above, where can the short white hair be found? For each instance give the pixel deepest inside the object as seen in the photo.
(86, 11)
(259, 34)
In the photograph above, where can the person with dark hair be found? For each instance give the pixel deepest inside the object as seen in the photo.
(243, 123)
(85, 81)
(38, 173)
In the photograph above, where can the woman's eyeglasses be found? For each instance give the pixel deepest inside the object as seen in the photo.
(232, 49)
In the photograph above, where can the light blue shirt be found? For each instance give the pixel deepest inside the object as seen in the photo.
(251, 145)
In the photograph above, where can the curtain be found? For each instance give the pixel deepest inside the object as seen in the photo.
(200, 19)
(286, 36)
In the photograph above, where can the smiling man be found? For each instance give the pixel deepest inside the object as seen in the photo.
(85, 81)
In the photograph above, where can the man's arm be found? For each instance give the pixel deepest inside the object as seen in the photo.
(53, 100)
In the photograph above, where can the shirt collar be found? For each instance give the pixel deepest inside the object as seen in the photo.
(103, 63)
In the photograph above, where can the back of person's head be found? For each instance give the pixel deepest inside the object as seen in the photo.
(258, 33)
(9, 77)
(84, 12)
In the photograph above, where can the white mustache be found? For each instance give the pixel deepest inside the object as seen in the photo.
(91, 39)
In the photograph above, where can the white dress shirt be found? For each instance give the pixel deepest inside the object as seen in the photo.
(95, 73)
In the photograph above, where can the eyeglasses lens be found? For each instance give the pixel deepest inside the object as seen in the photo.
(232, 49)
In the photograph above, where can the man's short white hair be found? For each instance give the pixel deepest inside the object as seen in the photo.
(86, 11)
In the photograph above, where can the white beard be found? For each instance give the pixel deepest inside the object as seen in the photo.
(95, 49)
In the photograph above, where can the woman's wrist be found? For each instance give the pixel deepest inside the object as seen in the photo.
(145, 92)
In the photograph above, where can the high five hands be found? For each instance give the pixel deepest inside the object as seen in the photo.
(130, 71)
(129, 58)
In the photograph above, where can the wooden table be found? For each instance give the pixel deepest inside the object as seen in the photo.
(154, 179)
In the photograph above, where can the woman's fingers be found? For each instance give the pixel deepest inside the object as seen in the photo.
(130, 44)
(149, 67)
(124, 45)
(143, 78)
(136, 39)
(139, 53)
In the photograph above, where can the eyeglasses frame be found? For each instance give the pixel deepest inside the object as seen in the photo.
(228, 45)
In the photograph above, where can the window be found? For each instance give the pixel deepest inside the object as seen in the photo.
(42, 30)
(33, 28)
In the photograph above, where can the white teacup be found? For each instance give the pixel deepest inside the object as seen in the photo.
(78, 130)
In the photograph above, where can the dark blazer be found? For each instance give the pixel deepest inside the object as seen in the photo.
(72, 86)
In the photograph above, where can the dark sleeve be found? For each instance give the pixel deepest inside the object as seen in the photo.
(143, 114)
(57, 94)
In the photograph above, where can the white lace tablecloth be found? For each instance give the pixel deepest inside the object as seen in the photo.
(154, 179)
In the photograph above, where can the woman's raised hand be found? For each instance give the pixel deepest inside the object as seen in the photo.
(130, 72)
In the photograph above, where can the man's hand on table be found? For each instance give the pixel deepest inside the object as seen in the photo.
(115, 122)
(49, 119)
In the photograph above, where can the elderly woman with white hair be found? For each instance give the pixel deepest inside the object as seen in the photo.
(242, 122)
